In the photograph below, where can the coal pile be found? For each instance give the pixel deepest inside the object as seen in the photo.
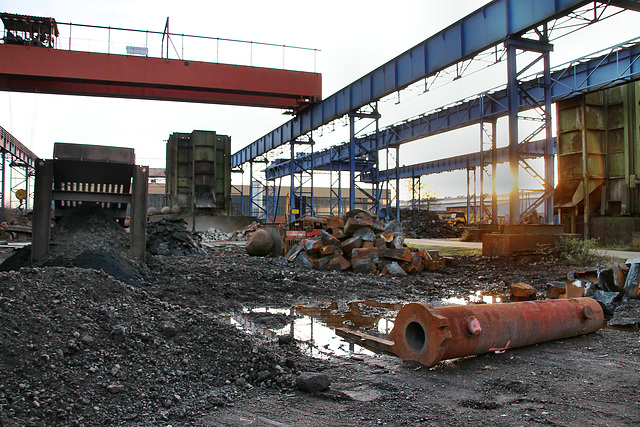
(78, 347)
(421, 224)
(358, 242)
(86, 238)
(169, 236)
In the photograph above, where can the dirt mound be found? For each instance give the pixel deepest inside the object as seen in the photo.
(420, 224)
(79, 346)
(86, 238)
(87, 220)
(169, 236)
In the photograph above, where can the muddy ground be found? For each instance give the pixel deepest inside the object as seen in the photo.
(80, 346)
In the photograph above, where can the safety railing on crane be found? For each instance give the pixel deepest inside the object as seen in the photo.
(164, 44)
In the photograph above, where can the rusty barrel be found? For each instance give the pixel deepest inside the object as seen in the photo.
(430, 334)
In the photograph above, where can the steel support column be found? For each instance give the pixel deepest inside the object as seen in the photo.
(239, 189)
(292, 176)
(352, 162)
(256, 206)
(363, 159)
(397, 183)
(333, 193)
(488, 157)
(512, 105)
(494, 169)
(139, 202)
(468, 194)
(4, 168)
(549, 162)
(42, 209)
(516, 93)
(300, 176)
(251, 188)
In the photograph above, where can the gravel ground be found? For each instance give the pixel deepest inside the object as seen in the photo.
(143, 344)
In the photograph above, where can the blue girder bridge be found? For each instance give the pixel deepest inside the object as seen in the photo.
(518, 25)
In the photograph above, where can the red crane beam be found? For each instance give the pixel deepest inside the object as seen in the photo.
(48, 70)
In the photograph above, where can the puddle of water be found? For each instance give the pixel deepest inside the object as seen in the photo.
(313, 326)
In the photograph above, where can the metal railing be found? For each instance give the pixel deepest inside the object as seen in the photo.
(164, 44)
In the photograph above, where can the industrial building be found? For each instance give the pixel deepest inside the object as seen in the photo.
(309, 278)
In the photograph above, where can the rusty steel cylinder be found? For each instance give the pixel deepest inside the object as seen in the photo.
(430, 334)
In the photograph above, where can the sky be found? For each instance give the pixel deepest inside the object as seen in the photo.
(353, 37)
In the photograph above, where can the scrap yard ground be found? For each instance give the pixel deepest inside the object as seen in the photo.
(123, 343)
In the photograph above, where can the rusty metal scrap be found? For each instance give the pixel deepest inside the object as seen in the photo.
(430, 334)
(359, 242)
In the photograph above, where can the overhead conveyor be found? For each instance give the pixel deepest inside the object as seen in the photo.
(481, 30)
(618, 65)
(514, 27)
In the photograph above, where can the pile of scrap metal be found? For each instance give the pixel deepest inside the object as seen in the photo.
(356, 241)
(610, 286)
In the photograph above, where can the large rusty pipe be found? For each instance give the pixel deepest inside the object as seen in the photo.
(430, 334)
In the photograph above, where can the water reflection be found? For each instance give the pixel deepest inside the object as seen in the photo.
(313, 324)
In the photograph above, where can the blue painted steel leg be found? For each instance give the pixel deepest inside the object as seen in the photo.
(352, 162)
(340, 212)
(468, 200)
(4, 168)
(549, 164)
(251, 188)
(512, 105)
(292, 195)
(413, 193)
(494, 171)
(397, 183)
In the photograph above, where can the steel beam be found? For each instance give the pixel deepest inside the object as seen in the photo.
(528, 150)
(486, 27)
(3, 215)
(513, 98)
(619, 65)
(97, 74)
(17, 150)
(138, 212)
(42, 209)
(89, 196)
(352, 162)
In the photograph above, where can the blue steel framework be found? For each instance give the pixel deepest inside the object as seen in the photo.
(478, 32)
(21, 161)
(529, 150)
(367, 157)
(301, 200)
(617, 65)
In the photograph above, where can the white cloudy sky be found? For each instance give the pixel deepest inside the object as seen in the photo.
(354, 37)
